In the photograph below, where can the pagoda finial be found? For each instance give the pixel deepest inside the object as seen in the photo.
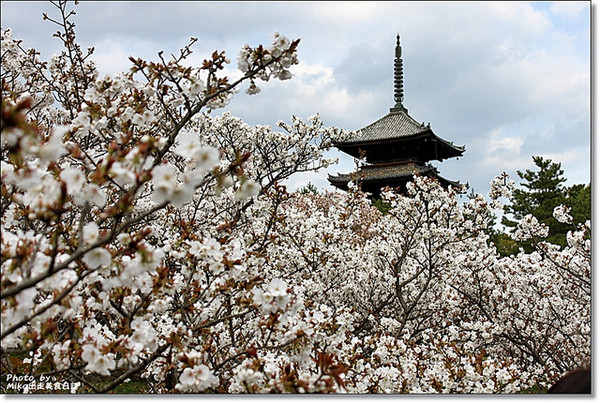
(398, 76)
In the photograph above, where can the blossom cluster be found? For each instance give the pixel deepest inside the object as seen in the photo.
(274, 61)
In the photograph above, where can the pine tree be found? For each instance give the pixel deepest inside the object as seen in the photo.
(542, 190)
(579, 199)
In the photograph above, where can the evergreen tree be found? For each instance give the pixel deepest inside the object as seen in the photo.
(579, 199)
(543, 190)
(309, 188)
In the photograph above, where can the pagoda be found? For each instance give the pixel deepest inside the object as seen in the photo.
(395, 147)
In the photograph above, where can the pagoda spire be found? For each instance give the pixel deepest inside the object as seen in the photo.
(398, 77)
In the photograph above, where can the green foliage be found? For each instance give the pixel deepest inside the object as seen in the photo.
(536, 389)
(132, 387)
(505, 245)
(579, 198)
(308, 189)
(380, 205)
(541, 191)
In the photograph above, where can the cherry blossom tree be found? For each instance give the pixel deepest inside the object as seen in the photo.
(147, 242)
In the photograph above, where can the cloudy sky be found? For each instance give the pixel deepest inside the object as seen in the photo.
(508, 80)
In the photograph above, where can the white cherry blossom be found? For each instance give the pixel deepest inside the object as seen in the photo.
(206, 274)
(97, 257)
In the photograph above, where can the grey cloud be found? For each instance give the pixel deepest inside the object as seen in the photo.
(470, 68)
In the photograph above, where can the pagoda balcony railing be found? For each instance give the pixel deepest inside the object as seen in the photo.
(403, 161)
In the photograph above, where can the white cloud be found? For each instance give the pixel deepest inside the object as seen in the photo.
(313, 77)
(510, 145)
(111, 57)
(317, 79)
(521, 17)
(567, 157)
(499, 152)
(347, 11)
(575, 163)
(569, 9)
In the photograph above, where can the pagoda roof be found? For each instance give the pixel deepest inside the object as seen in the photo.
(394, 125)
(388, 173)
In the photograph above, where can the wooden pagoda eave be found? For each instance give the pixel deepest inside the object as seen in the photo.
(417, 136)
(370, 184)
(445, 150)
(426, 134)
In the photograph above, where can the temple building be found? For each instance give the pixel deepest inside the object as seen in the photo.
(394, 147)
